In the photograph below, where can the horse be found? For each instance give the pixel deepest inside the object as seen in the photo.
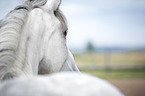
(59, 84)
(33, 41)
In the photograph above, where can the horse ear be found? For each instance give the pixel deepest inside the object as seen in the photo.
(33, 0)
(28, 0)
(52, 4)
(35, 3)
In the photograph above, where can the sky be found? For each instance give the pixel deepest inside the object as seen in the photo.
(102, 22)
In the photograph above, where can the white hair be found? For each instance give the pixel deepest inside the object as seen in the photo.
(60, 84)
(10, 33)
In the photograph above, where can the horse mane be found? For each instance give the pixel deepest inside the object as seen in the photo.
(10, 31)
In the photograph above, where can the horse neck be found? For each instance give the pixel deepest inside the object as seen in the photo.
(29, 51)
(13, 50)
(17, 33)
(10, 32)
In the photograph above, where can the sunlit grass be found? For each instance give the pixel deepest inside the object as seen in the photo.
(115, 58)
(117, 74)
(89, 63)
(128, 57)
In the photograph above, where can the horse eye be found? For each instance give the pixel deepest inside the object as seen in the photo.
(55, 13)
(65, 33)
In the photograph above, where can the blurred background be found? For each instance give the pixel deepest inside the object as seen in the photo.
(107, 39)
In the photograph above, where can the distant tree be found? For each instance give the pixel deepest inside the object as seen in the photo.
(90, 46)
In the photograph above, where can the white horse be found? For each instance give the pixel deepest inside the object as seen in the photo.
(60, 84)
(33, 40)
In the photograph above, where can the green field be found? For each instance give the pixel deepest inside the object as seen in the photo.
(113, 65)
(117, 74)
(130, 57)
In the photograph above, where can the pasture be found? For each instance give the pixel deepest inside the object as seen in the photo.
(111, 60)
(125, 69)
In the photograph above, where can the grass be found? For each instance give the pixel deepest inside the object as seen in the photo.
(117, 74)
(130, 57)
(89, 62)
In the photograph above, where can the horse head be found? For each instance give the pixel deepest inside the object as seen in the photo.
(37, 43)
